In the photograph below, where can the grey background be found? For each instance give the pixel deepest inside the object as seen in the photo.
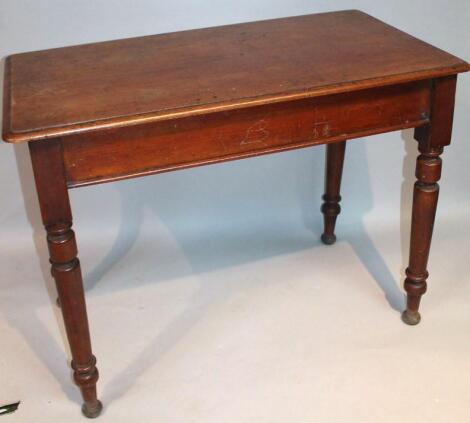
(210, 297)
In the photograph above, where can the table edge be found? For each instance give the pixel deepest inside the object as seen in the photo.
(11, 136)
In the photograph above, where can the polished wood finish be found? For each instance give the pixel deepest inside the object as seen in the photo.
(198, 140)
(108, 111)
(140, 80)
(65, 267)
(426, 190)
(439, 133)
(432, 139)
(333, 173)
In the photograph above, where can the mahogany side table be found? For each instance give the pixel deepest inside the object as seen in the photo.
(107, 111)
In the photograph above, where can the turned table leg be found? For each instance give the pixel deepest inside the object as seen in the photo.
(432, 139)
(426, 192)
(57, 217)
(331, 198)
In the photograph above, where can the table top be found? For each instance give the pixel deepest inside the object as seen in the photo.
(126, 82)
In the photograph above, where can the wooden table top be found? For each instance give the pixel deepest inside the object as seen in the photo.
(126, 82)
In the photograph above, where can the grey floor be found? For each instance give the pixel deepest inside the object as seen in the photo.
(267, 325)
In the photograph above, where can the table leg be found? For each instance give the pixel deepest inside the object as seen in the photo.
(426, 192)
(57, 217)
(432, 139)
(331, 198)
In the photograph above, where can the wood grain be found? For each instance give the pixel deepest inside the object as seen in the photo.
(113, 84)
(46, 157)
(432, 138)
(333, 173)
(199, 140)
(128, 108)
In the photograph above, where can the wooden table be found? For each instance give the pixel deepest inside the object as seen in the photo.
(120, 109)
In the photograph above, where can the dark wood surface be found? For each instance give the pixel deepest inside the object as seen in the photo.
(128, 108)
(432, 138)
(119, 83)
(104, 156)
(56, 215)
(333, 173)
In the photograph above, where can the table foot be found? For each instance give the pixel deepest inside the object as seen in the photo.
(92, 411)
(411, 318)
(328, 239)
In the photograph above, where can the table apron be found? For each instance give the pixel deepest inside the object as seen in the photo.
(104, 156)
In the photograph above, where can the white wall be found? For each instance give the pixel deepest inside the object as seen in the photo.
(283, 187)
